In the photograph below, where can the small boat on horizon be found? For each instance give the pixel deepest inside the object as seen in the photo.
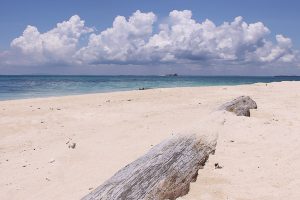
(175, 74)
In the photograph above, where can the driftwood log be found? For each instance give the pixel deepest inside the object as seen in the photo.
(165, 172)
(240, 106)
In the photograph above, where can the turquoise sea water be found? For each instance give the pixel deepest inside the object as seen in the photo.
(20, 87)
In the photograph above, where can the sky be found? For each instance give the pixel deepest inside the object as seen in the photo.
(140, 37)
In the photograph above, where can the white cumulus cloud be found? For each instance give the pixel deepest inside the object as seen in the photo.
(120, 43)
(281, 51)
(140, 39)
(183, 39)
(56, 45)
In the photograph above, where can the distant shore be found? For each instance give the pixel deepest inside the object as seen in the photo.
(63, 147)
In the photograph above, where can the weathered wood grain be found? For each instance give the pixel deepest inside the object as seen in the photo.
(240, 106)
(165, 172)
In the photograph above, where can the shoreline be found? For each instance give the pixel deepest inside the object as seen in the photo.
(138, 90)
(113, 129)
(26, 87)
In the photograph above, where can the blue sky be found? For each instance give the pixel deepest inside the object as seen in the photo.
(280, 17)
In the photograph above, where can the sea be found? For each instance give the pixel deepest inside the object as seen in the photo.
(25, 86)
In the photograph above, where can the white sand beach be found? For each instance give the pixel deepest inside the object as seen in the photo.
(259, 156)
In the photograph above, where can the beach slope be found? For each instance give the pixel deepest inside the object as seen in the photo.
(64, 147)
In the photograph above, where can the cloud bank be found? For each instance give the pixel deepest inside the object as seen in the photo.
(57, 45)
(141, 40)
